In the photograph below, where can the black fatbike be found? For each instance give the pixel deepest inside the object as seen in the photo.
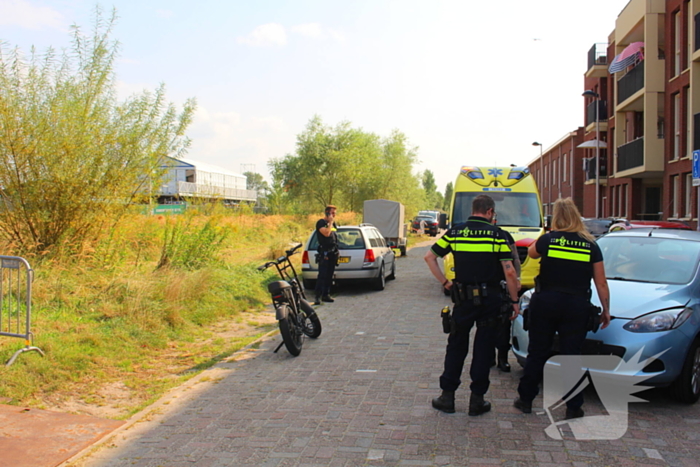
(294, 313)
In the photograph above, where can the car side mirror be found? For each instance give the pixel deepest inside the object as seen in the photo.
(443, 220)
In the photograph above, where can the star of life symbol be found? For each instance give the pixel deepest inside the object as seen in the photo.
(495, 172)
(614, 379)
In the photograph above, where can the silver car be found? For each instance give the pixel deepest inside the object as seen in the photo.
(364, 256)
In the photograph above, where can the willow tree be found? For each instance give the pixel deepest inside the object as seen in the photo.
(72, 157)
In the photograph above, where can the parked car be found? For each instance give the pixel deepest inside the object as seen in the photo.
(627, 225)
(364, 256)
(600, 226)
(655, 301)
(431, 226)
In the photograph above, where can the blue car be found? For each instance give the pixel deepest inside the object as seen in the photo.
(655, 301)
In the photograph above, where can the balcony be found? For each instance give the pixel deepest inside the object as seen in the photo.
(598, 55)
(589, 166)
(697, 31)
(632, 82)
(602, 112)
(210, 191)
(630, 155)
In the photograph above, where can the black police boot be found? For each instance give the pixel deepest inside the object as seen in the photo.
(317, 301)
(523, 406)
(477, 405)
(573, 413)
(446, 402)
(503, 364)
(328, 299)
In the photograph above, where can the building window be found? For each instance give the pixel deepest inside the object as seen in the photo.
(546, 180)
(688, 195)
(674, 197)
(689, 35)
(676, 127)
(677, 45)
(688, 124)
(564, 168)
(554, 173)
(623, 209)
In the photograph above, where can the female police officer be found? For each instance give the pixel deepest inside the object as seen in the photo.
(570, 258)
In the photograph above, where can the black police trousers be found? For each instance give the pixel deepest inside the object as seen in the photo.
(551, 313)
(464, 317)
(326, 269)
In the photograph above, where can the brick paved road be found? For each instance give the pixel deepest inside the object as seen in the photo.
(360, 395)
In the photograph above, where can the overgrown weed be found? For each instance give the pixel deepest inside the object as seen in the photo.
(111, 314)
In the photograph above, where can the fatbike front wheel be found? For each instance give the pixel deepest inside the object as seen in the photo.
(312, 323)
(291, 333)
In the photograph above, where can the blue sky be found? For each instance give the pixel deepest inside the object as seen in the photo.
(468, 82)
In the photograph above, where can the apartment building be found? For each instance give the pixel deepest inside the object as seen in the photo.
(641, 118)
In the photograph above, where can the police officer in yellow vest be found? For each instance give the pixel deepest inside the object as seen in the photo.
(570, 258)
(482, 260)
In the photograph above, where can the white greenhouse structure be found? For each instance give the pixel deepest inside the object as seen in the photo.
(186, 179)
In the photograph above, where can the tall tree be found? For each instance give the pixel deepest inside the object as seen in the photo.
(430, 188)
(71, 157)
(449, 190)
(345, 166)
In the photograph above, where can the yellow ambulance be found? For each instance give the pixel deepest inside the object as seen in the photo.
(518, 210)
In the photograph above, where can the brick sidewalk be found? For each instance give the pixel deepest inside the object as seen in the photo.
(360, 395)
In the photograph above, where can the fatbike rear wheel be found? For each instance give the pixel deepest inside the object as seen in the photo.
(292, 334)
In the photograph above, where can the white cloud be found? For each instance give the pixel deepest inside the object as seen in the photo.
(22, 13)
(316, 31)
(312, 30)
(266, 35)
(229, 139)
(165, 14)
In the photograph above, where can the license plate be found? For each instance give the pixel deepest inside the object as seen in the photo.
(344, 259)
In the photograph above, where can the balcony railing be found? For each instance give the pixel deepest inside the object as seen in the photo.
(630, 155)
(697, 31)
(589, 165)
(598, 55)
(696, 131)
(632, 82)
(210, 191)
(602, 112)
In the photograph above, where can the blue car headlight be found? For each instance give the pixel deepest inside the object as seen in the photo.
(659, 321)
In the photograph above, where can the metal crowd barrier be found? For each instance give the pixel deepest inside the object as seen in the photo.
(16, 277)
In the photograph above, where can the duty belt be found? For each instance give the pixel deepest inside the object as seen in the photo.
(474, 294)
(539, 287)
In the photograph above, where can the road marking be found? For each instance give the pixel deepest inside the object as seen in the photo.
(365, 371)
(653, 453)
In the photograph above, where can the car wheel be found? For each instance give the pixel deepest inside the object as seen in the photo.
(392, 276)
(309, 284)
(380, 281)
(686, 388)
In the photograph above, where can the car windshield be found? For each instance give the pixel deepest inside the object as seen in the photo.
(597, 227)
(424, 218)
(348, 239)
(649, 259)
(512, 209)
